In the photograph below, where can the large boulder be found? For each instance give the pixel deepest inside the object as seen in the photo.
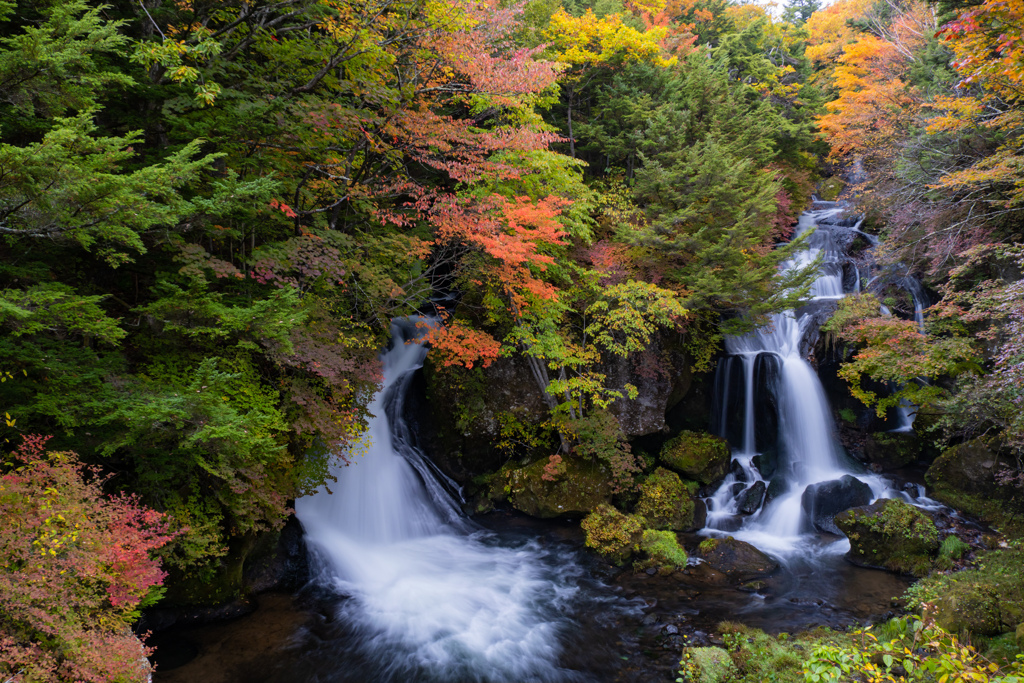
(969, 607)
(892, 450)
(823, 501)
(698, 456)
(578, 489)
(890, 534)
(736, 559)
(969, 468)
(665, 501)
(662, 374)
(613, 534)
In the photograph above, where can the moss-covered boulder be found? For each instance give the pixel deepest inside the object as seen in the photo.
(828, 190)
(892, 535)
(985, 600)
(1019, 637)
(969, 607)
(665, 501)
(612, 533)
(662, 551)
(708, 665)
(736, 559)
(892, 450)
(576, 487)
(967, 468)
(697, 455)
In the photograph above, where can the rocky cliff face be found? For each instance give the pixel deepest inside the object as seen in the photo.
(472, 422)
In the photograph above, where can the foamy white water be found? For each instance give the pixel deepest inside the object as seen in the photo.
(431, 596)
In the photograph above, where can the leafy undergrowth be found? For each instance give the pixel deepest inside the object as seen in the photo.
(901, 650)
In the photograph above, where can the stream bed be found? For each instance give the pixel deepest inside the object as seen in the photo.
(621, 622)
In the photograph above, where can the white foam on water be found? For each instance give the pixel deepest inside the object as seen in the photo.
(428, 594)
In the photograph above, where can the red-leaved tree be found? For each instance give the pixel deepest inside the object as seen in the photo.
(75, 568)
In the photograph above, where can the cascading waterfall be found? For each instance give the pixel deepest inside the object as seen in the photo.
(429, 596)
(806, 451)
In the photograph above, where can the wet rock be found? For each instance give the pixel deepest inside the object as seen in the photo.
(750, 501)
(697, 455)
(892, 450)
(737, 471)
(580, 489)
(650, 620)
(699, 639)
(753, 586)
(737, 488)
(822, 502)
(736, 559)
(672, 630)
(892, 535)
(767, 463)
(776, 487)
(704, 574)
(700, 514)
(665, 502)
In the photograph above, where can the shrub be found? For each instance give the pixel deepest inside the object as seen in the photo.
(75, 570)
(613, 534)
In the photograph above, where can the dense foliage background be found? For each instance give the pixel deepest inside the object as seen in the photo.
(210, 211)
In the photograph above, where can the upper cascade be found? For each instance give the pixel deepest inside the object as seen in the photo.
(785, 438)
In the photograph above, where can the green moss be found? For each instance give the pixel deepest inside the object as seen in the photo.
(985, 601)
(663, 550)
(830, 188)
(1002, 649)
(711, 665)
(613, 534)
(891, 534)
(665, 501)
(581, 487)
(697, 455)
(990, 510)
(707, 545)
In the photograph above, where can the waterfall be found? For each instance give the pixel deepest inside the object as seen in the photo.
(808, 451)
(430, 596)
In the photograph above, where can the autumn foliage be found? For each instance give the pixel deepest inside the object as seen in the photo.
(75, 568)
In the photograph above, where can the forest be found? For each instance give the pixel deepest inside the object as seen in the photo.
(210, 213)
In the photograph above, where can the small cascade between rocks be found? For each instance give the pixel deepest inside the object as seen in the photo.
(790, 475)
(429, 596)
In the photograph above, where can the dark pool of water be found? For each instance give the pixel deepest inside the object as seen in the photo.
(628, 627)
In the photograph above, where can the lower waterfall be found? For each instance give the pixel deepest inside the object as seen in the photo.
(429, 595)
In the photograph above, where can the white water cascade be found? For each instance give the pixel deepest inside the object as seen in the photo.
(429, 596)
(807, 448)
